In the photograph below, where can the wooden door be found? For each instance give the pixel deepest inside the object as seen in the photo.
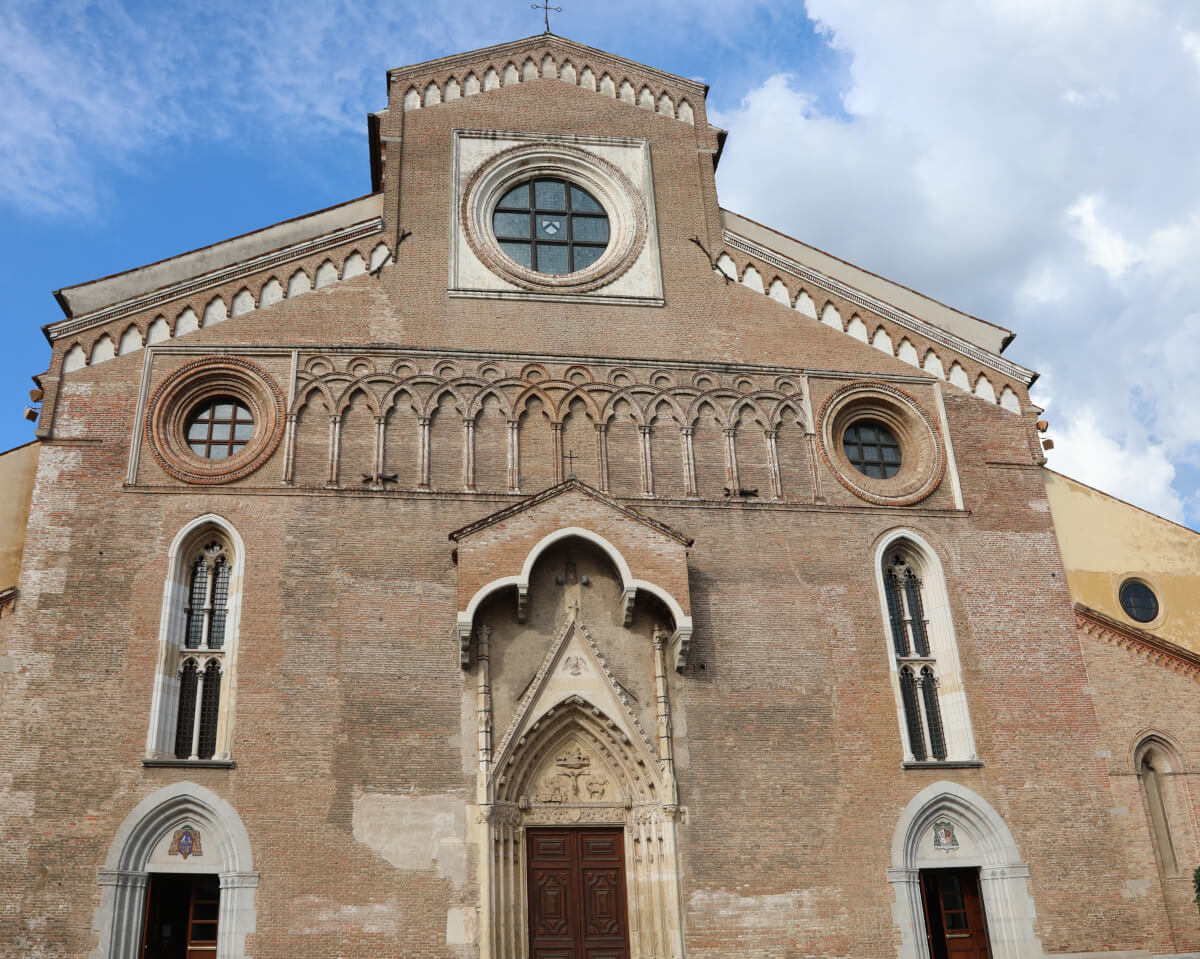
(577, 894)
(954, 914)
(181, 917)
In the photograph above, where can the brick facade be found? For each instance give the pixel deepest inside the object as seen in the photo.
(411, 414)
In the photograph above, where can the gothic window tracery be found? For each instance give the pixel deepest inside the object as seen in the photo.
(189, 720)
(935, 726)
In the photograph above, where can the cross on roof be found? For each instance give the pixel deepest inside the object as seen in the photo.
(569, 456)
(545, 7)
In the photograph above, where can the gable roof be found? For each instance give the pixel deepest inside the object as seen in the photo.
(96, 301)
(982, 333)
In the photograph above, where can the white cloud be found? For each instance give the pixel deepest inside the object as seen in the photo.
(1105, 247)
(1129, 469)
(1020, 161)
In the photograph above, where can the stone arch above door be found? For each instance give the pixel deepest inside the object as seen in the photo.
(181, 828)
(948, 825)
(498, 552)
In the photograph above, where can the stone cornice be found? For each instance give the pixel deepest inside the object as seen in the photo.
(77, 324)
(1157, 650)
(899, 317)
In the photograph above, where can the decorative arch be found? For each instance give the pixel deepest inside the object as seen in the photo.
(134, 853)
(983, 840)
(630, 587)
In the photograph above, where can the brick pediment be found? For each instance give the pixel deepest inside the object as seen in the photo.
(499, 551)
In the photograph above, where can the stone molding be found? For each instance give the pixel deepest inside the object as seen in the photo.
(174, 398)
(545, 57)
(923, 459)
(621, 200)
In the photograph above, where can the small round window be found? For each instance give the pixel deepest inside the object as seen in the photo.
(219, 427)
(872, 449)
(551, 226)
(1138, 601)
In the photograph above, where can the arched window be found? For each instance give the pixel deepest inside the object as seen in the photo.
(935, 726)
(1154, 767)
(197, 643)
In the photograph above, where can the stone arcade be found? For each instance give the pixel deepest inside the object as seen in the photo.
(533, 558)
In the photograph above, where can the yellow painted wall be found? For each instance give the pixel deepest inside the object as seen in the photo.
(17, 470)
(1105, 541)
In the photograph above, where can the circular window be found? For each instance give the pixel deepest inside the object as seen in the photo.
(872, 449)
(214, 420)
(551, 226)
(218, 428)
(553, 218)
(1138, 601)
(880, 444)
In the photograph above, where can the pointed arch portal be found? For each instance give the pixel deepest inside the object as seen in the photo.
(146, 844)
(947, 826)
(583, 764)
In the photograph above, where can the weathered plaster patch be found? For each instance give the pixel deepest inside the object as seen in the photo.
(325, 916)
(462, 926)
(415, 832)
(1135, 888)
(803, 909)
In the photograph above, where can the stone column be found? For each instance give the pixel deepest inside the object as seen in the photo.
(289, 449)
(731, 466)
(423, 452)
(689, 462)
(335, 447)
(514, 456)
(647, 463)
(469, 454)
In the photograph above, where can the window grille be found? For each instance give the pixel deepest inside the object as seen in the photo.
(891, 585)
(207, 740)
(916, 612)
(912, 713)
(220, 600)
(188, 681)
(197, 597)
(933, 715)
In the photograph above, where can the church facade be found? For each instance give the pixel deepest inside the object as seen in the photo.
(533, 558)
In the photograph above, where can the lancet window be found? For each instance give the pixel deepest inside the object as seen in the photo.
(1153, 769)
(197, 640)
(934, 723)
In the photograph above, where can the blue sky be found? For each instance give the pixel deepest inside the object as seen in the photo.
(1035, 164)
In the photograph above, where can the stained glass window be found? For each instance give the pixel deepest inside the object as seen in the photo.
(219, 427)
(551, 226)
(872, 449)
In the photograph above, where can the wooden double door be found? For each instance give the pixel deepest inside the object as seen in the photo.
(577, 904)
(954, 917)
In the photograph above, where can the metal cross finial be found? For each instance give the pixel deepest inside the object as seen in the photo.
(545, 7)
(570, 458)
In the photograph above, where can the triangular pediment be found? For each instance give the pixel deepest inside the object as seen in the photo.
(547, 57)
(566, 488)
